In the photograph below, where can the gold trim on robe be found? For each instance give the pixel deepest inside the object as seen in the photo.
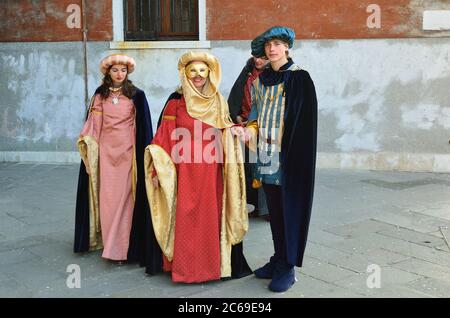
(234, 223)
(88, 148)
(134, 174)
(162, 200)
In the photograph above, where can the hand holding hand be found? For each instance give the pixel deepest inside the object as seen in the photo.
(241, 132)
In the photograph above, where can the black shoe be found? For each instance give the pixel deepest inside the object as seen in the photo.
(283, 277)
(267, 270)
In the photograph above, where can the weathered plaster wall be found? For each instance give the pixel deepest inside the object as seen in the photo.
(383, 104)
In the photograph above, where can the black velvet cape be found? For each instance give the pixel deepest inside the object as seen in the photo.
(237, 91)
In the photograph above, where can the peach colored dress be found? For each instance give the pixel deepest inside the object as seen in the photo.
(113, 126)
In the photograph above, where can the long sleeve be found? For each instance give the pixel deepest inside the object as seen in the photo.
(158, 160)
(93, 125)
(88, 145)
(88, 141)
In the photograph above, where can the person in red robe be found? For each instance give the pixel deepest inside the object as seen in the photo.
(195, 179)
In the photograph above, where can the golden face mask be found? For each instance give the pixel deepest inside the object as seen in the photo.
(197, 69)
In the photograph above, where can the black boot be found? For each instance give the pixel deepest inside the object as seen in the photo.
(283, 277)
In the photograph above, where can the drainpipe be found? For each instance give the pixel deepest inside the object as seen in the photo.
(86, 96)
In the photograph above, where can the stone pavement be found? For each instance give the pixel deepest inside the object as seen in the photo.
(364, 223)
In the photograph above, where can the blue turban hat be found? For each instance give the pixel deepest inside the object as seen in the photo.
(277, 32)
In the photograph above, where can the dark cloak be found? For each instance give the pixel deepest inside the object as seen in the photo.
(237, 91)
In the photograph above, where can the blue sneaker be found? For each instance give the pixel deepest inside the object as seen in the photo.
(267, 270)
(283, 277)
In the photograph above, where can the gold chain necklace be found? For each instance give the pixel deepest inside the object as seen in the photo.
(115, 89)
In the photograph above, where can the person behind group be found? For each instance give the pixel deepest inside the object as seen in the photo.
(284, 117)
(195, 179)
(239, 102)
(112, 210)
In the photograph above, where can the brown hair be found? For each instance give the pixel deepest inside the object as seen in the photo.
(128, 89)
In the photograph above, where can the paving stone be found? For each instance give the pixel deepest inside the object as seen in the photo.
(360, 228)
(413, 237)
(424, 268)
(305, 287)
(99, 286)
(34, 274)
(365, 245)
(359, 262)
(26, 230)
(324, 271)
(442, 212)
(323, 237)
(3, 277)
(431, 286)
(389, 278)
(11, 244)
(432, 255)
(12, 289)
(325, 253)
(10, 225)
(398, 292)
(413, 220)
(16, 256)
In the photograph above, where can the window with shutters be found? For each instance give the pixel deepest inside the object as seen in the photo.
(160, 20)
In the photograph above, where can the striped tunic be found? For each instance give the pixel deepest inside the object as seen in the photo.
(268, 103)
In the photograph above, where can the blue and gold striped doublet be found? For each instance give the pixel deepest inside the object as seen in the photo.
(268, 103)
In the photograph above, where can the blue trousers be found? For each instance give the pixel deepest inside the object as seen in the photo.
(275, 207)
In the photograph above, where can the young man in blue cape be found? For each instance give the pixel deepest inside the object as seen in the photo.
(282, 128)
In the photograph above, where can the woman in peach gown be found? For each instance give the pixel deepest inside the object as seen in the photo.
(112, 210)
